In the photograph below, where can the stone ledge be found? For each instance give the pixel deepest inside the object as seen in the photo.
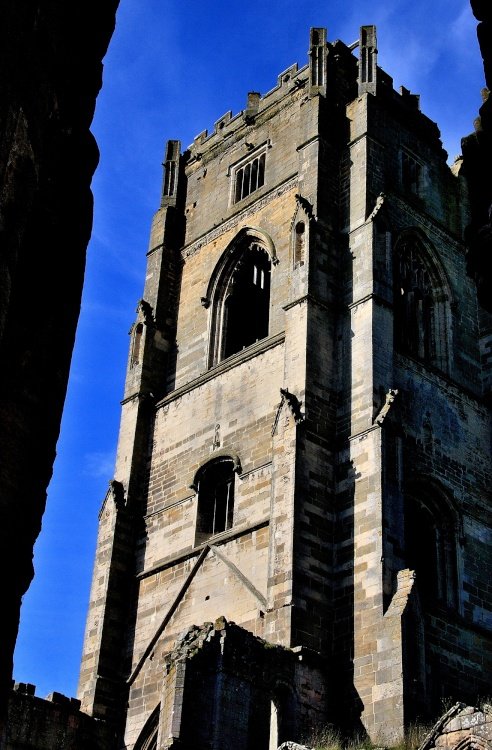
(217, 540)
(228, 364)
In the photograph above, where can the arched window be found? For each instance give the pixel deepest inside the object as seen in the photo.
(246, 302)
(431, 545)
(240, 296)
(421, 303)
(214, 484)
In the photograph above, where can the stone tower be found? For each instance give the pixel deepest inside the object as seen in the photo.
(298, 530)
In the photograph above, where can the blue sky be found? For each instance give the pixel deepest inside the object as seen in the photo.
(172, 69)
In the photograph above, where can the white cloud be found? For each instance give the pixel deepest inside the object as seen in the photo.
(99, 464)
(462, 29)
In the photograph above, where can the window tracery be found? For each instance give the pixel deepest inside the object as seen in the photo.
(421, 304)
(240, 297)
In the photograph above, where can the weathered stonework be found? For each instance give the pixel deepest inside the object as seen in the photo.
(461, 727)
(217, 690)
(305, 436)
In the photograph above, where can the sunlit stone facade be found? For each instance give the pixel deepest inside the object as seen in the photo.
(298, 529)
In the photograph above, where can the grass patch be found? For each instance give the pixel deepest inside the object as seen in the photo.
(328, 738)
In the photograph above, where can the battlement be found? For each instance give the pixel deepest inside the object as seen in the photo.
(289, 81)
(55, 721)
(335, 69)
(28, 689)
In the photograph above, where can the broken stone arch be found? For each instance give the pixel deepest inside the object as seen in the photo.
(422, 300)
(147, 739)
(473, 742)
(240, 279)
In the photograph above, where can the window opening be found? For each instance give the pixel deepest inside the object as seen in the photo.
(170, 168)
(422, 552)
(411, 174)
(247, 302)
(249, 178)
(137, 341)
(215, 499)
(299, 243)
(422, 314)
(148, 736)
(317, 55)
(169, 177)
(239, 293)
(414, 312)
(431, 552)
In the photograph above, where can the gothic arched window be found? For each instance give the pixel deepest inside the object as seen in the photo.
(214, 483)
(421, 304)
(240, 296)
(246, 302)
(431, 546)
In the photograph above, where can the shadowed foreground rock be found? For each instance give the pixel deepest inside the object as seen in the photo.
(477, 159)
(50, 57)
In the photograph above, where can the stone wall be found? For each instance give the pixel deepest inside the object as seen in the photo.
(55, 722)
